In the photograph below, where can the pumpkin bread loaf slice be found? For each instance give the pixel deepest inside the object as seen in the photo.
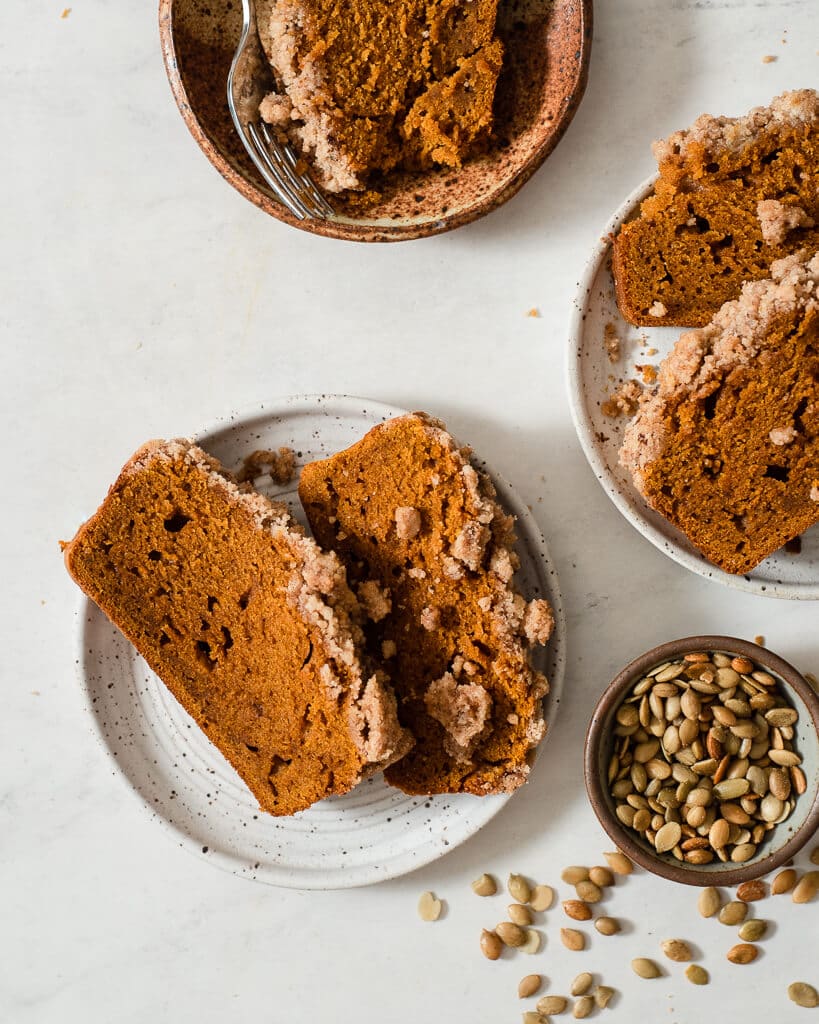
(373, 85)
(430, 552)
(247, 622)
(727, 445)
(733, 195)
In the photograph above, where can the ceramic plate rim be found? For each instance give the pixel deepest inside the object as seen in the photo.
(669, 545)
(482, 809)
(350, 229)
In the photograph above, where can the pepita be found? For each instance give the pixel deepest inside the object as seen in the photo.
(645, 968)
(573, 939)
(806, 888)
(802, 994)
(485, 885)
(429, 908)
(542, 898)
(581, 984)
(551, 1005)
(677, 950)
(519, 888)
(582, 1007)
(742, 953)
(529, 985)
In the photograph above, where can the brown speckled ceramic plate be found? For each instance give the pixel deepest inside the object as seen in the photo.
(548, 43)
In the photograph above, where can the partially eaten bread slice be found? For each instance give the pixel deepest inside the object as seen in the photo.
(365, 88)
(727, 446)
(430, 551)
(733, 196)
(247, 622)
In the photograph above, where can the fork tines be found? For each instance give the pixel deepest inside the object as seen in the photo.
(280, 167)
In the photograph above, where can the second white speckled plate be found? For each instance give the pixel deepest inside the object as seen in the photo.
(373, 833)
(592, 379)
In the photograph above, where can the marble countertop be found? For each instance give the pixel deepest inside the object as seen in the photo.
(141, 297)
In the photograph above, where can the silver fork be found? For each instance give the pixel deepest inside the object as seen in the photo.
(275, 160)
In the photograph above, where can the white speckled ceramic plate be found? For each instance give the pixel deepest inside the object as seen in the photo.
(375, 832)
(593, 378)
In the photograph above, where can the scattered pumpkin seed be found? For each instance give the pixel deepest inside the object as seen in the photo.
(573, 939)
(645, 968)
(603, 995)
(491, 945)
(542, 897)
(582, 1007)
(604, 877)
(709, 901)
(588, 891)
(806, 888)
(577, 910)
(677, 950)
(531, 1017)
(753, 930)
(748, 892)
(429, 908)
(581, 984)
(742, 953)
(529, 985)
(519, 888)
(485, 885)
(519, 914)
(574, 874)
(697, 974)
(619, 862)
(533, 942)
(733, 913)
(552, 1005)
(803, 994)
(607, 925)
(783, 882)
(510, 934)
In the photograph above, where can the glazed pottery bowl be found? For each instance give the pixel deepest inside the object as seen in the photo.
(783, 841)
(547, 47)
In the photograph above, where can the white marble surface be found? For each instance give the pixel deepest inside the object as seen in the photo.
(139, 297)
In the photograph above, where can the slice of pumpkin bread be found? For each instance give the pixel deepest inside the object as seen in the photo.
(369, 86)
(247, 622)
(733, 196)
(429, 549)
(727, 445)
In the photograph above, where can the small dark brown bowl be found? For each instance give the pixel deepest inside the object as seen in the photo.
(784, 840)
(548, 44)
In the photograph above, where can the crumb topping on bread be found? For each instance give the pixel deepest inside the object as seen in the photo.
(733, 196)
(777, 220)
(458, 627)
(462, 708)
(716, 134)
(366, 87)
(735, 416)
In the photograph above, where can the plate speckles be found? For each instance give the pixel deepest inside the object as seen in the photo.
(371, 834)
